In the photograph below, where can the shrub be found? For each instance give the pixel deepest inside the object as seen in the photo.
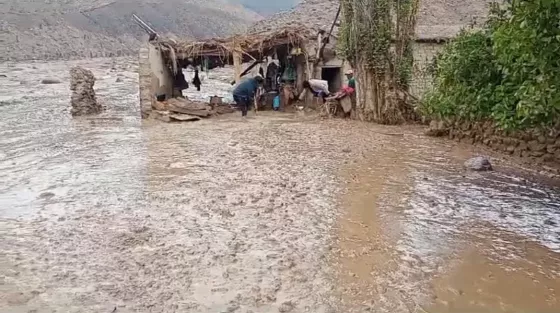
(508, 72)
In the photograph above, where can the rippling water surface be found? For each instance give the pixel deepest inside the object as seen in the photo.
(280, 213)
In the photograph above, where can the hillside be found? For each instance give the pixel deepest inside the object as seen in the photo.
(54, 29)
(437, 19)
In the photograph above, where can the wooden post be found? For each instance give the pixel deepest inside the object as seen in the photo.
(237, 63)
(319, 46)
(300, 73)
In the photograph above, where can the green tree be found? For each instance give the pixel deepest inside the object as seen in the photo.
(508, 72)
(382, 68)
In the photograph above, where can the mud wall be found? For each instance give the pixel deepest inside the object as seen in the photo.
(540, 146)
(145, 82)
(160, 78)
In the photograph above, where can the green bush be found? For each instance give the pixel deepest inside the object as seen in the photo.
(508, 72)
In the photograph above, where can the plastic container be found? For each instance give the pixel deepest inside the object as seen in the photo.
(276, 103)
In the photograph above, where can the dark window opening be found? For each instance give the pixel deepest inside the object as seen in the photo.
(334, 76)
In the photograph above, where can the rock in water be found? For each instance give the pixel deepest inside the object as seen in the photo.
(50, 81)
(479, 163)
(83, 96)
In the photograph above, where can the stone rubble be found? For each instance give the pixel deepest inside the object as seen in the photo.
(83, 96)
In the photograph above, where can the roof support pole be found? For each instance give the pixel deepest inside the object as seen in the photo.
(237, 62)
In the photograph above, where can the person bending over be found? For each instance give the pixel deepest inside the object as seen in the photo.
(244, 93)
(318, 87)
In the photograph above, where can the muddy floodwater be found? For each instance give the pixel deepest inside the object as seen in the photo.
(278, 213)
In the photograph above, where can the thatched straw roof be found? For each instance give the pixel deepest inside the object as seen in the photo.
(437, 19)
(252, 46)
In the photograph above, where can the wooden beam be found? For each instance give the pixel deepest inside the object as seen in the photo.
(248, 69)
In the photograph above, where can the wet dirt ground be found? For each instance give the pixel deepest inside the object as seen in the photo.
(279, 213)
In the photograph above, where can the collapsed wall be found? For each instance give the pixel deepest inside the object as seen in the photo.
(83, 96)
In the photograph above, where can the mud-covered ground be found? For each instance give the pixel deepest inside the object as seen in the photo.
(279, 213)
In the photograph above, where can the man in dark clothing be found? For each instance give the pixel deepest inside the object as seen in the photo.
(179, 84)
(196, 80)
(244, 93)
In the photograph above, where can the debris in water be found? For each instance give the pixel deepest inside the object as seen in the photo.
(181, 109)
(46, 195)
(185, 106)
(168, 117)
(50, 81)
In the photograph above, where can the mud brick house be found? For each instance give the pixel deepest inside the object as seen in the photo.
(303, 38)
(163, 59)
(438, 21)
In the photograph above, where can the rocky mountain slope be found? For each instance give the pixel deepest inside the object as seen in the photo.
(315, 14)
(437, 19)
(54, 29)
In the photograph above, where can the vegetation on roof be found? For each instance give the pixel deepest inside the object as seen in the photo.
(251, 46)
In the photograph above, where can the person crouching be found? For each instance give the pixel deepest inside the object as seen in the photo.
(319, 88)
(244, 93)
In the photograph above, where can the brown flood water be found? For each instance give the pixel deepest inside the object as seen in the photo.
(412, 239)
(281, 213)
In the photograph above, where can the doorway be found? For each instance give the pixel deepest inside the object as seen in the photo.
(333, 75)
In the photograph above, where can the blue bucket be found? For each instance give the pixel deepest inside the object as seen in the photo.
(276, 103)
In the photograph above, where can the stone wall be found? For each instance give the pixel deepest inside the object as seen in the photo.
(536, 146)
(424, 54)
(83, 98)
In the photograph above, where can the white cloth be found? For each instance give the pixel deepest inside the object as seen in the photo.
(319, 85)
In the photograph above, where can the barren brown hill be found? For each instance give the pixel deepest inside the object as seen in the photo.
(77, 28)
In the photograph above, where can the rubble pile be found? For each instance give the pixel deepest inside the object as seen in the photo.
(83, 96)
(182, 109)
